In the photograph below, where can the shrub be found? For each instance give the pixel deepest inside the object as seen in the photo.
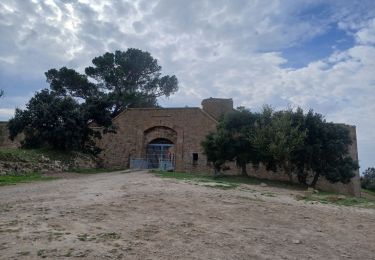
(368, 179)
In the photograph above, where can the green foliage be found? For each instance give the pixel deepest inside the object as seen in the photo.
(2, 129)
(35, 155)
(325, 151)
(122, 79)
(18, 155)
(300, 144)
(68, 82)
(368, 179)
(276, 139)
(217, 148)
(237, 124)
(230, 142)
(368, 193)
(60, 117)
(50, 120)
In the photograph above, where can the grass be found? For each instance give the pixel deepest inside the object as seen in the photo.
(268, 194)
(33, 155)
(341, 200)
(96, 170)
(103, 236)
(110, 236)
(370, 192)
(202, 179)
(228, 182)
(224, 181)
(14, 179)
(18, 155)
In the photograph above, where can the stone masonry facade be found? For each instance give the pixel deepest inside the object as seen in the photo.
(181, 131)
(186, 128)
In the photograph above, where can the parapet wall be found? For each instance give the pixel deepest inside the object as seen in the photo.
(351, 188)
(5, 142)
(216, 107)
(191, 126)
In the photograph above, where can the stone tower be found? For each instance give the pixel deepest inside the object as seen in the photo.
(216, 107)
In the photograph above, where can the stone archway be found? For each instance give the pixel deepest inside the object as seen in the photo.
(162, 132)
(160, 147)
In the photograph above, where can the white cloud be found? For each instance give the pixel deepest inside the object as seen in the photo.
(216, 48)
(367, 34)
(6, 112)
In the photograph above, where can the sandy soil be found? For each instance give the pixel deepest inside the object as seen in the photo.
(139, 216)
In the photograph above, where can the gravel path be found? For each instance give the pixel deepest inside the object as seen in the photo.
(139, 216)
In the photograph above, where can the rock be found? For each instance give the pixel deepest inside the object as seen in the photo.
(316, 191)
(341, 197)
(57, 164)
(300, 197)
(263, 184)
(310, 189)
(308, 193)
(296, 241)
(44, 159)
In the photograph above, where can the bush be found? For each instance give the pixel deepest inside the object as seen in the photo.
(368, 179)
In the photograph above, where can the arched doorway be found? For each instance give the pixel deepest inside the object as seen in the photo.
(160, 154)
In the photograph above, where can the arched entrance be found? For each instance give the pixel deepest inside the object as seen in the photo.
(160, 154)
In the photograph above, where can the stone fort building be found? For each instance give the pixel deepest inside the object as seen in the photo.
(170, 139)
(164, 138)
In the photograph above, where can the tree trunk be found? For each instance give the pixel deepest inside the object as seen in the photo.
(290, 177)
(315, 180)
(216, 171)
(243, 169)
(288, 171)
(302, 178)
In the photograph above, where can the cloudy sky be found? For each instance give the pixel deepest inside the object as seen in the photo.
(316, 54)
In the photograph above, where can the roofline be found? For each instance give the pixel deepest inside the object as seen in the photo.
(161, 108)
(209, 116)
(151, 108)
(167, 108)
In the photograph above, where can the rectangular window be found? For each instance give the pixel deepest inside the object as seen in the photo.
(195, 158)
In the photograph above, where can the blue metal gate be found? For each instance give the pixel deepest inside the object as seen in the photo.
(159, 155)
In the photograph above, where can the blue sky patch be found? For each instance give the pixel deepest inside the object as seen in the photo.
(317, 48)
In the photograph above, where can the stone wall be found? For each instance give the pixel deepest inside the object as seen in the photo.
(185, 127)
(352, 188)
(5, 142)
(217, 107)
(45, 164)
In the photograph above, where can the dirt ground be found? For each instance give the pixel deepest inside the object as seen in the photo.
(137, 215)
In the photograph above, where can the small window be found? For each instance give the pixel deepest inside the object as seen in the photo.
(195, 158)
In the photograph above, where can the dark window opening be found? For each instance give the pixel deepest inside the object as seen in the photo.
(195, 158)
(161, 141)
